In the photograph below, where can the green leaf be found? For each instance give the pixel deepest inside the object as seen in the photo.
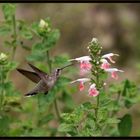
(11, 66)
(62, 81)
(38, 47)
(125, 125)
(8, 43)
(4, 30)
(87, 105)
(73, 117)
(16, 132)
(68, 100)
(4, 125)
(51, 95)
(24, 30)
(126, 87)
(8, 10)
(37, 132)
(128, 104)
(60, 60)
(130, 101)
(9, 89)
(44, 120)
(65, 127)
(115, 88)
(26, 34)
(36, 57)
(103, 76)
(51, 39)
(46, 100)
(113, 120)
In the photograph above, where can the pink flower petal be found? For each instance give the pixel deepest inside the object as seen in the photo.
(105, 65)
(85, 65)
(114, 75)
(93, 92)
(81, 86)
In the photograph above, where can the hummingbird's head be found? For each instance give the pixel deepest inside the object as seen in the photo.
(58, 72)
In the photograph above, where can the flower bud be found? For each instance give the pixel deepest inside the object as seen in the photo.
(43, 24)
(3, 58)
(94, 40)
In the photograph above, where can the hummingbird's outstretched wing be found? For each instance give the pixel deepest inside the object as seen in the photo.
(31, 75)
(40, 73)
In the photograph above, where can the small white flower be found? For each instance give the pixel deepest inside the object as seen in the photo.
(109, 56)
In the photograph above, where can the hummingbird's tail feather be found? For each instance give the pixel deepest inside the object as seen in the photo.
(30, 94)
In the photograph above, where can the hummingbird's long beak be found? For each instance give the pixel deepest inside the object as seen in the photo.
(66, 66)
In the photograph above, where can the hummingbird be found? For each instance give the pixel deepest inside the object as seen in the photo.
(44, 81)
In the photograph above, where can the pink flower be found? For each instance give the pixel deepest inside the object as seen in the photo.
(109, 56)
(93, 91)
(85, 64)
(105, 64)
(113, 72)
(81, 86)
(82, 81)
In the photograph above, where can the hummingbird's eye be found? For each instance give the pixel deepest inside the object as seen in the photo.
(58, 71)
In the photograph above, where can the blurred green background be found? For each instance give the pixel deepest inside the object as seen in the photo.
(115, 25)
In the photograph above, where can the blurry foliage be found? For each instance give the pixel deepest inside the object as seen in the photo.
(11, 100)
(33, 116)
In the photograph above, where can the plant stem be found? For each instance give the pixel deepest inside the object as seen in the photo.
(14, 37)
(56, 108)
(98, 99)
(2, 90)
(49, 62)
(50, 70)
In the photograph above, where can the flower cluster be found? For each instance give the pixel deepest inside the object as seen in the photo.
(44, 26)
(95, 64)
